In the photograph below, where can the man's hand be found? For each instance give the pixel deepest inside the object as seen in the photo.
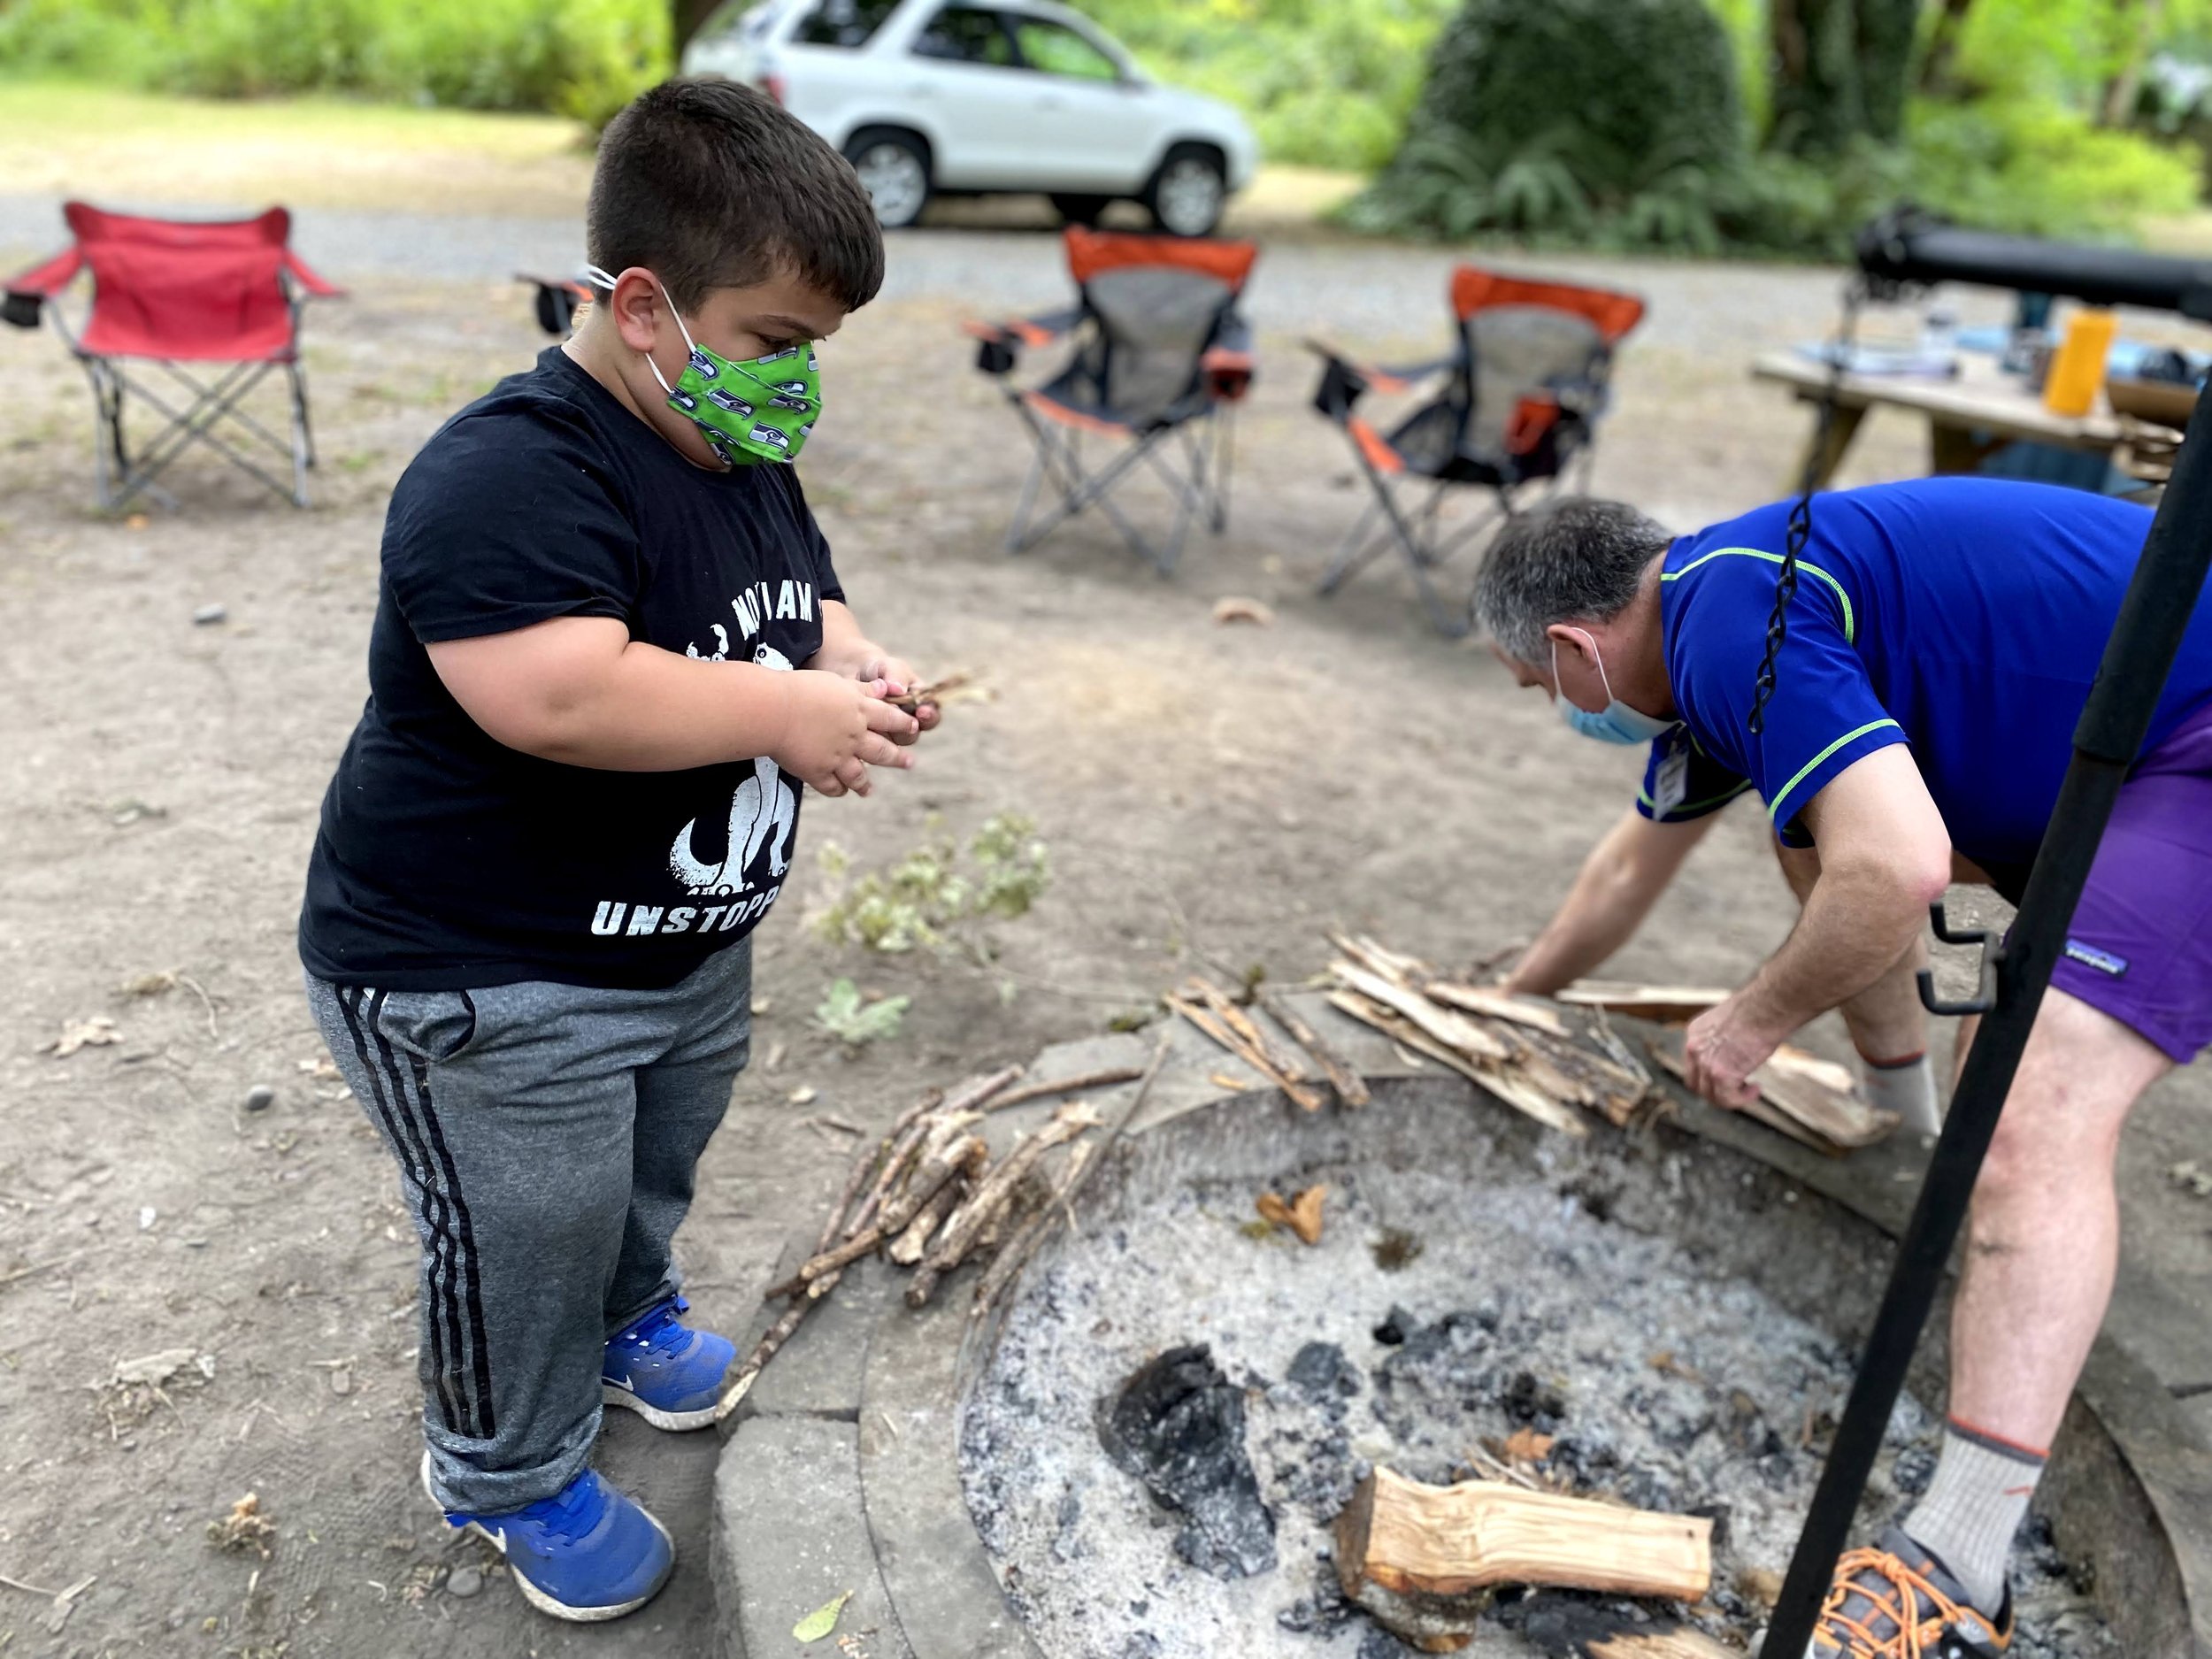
(835, 728)
(1722, 1049)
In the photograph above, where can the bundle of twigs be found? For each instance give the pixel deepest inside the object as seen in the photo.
(928, 1196)
(1520, 1050)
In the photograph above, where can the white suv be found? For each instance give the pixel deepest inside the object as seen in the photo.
(982, 96)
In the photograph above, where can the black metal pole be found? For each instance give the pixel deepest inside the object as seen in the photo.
(2161, 599)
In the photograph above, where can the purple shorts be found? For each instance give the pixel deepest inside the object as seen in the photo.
(2140, 948)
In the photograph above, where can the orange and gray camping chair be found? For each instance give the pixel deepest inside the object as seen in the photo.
(1516, 404)
(1161, 358)
(224, 297)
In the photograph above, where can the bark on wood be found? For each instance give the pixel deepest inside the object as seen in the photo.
(963, 1156)
(991, 1195)
(1515, 1091)
(1007, 1265)
(1085, 1158)
(1456, 1540)
(1667, 1004)
(1038, 1089)
(1351, 1088)
(909, 1246)
(1682, 1642)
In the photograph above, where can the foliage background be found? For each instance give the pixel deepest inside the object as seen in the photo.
(2035, 115)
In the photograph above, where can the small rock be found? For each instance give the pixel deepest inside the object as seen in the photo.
(341, 1382)
(207, 614)
(146, 1216)
(464, 1583)
(1321, 1372)
(260, 1097)
(1397, 1325)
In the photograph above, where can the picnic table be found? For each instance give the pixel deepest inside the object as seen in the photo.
(1970, 415)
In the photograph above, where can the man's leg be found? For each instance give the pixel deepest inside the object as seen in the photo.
(1888, 1027)
(2042, 1244)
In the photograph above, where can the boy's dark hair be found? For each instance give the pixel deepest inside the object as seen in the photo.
(708, 184)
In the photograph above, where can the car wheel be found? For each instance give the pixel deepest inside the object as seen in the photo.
(894, 169)
(1079, 209)
(1186, 196)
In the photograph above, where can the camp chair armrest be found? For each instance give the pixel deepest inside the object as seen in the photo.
(1389, 378)
(1535, 416)
(557, 301)
(1228, 363)
(1001, 342)
(316, 286)
(27, 293)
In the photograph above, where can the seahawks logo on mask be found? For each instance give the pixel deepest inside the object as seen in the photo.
(730, 401)
(769, 436)
(685, 401)
(777, 356)
(796, 405)
(797, 389)
(703, 363)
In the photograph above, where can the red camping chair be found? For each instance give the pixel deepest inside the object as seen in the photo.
(1161, 356)
(1522, 391)
(173, 292)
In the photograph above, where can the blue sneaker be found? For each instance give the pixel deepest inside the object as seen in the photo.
(587, 1553)
(668, 1373)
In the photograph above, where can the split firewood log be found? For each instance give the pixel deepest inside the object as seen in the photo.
(1351, 1088)
(1379, 958)
(1515, 1090)
(1667, 1004)
(1425, 1560)
(1489, 1000)
(1824, 1097)
(1448, 1027)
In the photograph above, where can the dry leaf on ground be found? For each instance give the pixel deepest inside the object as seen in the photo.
(95, 1033)
(1233, 609)
(245, 1527)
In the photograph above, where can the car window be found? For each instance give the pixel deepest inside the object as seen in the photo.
(1057, 49)
(966, 34)
(843, 22)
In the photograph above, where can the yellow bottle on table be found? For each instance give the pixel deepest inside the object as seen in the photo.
(2078, 366)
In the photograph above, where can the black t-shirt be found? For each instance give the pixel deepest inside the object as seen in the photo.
(447, 861)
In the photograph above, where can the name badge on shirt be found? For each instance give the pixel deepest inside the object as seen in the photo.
(1672, 782)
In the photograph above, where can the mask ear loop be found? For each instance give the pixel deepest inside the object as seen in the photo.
(1595, 656)
(600, 279)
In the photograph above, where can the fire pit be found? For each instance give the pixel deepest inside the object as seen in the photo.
(1661, 1318)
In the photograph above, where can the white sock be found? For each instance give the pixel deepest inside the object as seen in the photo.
(1907, 1087)
(1973, 1507)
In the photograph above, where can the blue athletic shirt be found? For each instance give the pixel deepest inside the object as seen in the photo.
(1964, 617)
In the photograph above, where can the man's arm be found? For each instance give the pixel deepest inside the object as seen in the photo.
(582, 691)
(1885, 857)
(1619, 882)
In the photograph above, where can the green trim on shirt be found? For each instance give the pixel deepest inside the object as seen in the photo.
(1802, 771)
(1850, 625)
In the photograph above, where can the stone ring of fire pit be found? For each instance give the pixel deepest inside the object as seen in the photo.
(843, 1472)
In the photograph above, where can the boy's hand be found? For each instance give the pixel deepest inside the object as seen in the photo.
(835, 728)
(891, 677)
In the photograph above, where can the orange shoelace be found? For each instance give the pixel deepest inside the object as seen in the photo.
(1916, 1631)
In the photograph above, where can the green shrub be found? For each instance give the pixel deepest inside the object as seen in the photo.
(581, 60)
(2032, 165)
(1612, 121)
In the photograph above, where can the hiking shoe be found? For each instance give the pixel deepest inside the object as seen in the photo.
(668, 1373)
(587, 1553)
(1896, 1602)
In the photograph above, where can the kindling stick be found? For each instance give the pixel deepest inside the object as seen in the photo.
(2161, 600)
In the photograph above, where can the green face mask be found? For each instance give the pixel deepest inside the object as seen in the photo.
(760, 409)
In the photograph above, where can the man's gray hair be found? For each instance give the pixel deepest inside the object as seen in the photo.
(1562, 560)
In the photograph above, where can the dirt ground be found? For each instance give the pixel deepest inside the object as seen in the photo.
(1235, 788)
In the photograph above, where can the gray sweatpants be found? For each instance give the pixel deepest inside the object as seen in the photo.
(547, 1137)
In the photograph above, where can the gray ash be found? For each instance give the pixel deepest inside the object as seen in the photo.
(1659, 1383)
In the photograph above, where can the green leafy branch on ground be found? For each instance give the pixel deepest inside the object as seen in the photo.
(849, 1014)
(933, 898)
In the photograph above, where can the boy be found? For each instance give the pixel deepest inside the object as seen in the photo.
(608, 651)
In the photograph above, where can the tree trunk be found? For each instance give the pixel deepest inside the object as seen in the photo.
(686, 18)
(1943, 47)
(2140, 21)
(1841, 69)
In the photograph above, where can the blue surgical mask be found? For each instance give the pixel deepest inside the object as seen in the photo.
(1617, 722)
